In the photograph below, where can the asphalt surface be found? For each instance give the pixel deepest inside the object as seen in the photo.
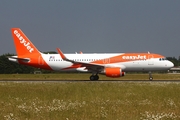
(89, 81)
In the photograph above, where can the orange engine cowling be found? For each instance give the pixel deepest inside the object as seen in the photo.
(114, 72)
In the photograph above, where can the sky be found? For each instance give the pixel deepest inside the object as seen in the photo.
(94, 26)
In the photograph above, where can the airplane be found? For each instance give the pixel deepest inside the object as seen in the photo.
(110, 64)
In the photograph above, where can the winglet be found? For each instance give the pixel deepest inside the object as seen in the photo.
(61, 54)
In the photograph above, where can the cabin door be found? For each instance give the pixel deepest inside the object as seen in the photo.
(150, 60)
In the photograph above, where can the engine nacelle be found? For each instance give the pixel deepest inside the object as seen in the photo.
(113, 72)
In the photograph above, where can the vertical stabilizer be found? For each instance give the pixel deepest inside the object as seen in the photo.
(22, 44)
(27, 53)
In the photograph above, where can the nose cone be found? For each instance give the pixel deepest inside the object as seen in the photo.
(170, 64)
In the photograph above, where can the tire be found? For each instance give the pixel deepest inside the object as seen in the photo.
(92, 77)
(150, 78)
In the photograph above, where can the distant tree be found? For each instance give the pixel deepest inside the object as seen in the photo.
(174, 60)
(50, 52)
(8, 67)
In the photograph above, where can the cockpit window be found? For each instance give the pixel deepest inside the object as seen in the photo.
(162, 59)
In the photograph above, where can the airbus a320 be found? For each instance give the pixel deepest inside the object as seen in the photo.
(110, 64)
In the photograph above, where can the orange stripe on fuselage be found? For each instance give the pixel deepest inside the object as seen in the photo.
(127, 57)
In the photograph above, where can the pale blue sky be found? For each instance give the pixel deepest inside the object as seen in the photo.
(94, 26)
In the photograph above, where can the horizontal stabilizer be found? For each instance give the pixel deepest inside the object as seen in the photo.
(14, 58)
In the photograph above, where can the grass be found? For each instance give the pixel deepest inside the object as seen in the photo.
(89, 100)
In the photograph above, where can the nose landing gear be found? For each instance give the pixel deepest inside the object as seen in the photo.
(150, 76)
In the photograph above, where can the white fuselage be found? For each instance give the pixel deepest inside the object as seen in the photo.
(153, 64)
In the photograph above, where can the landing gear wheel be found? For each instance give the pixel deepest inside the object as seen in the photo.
(94, 77)
(150, 76)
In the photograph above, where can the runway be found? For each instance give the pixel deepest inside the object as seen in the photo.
(104, 81)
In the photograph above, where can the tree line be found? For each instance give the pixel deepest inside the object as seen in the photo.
(9, 67)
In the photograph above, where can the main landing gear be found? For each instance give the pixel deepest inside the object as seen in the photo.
(150, 76)
(94, 77)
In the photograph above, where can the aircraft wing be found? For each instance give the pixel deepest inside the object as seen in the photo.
(88, 66)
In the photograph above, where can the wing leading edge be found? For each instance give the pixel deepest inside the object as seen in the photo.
(88, 66)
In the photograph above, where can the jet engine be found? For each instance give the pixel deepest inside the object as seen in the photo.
(113, 72)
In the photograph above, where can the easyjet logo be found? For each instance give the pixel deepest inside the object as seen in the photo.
(134, 57)
(24, 42)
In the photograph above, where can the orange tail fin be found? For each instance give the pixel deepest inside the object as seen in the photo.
(22, 43)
